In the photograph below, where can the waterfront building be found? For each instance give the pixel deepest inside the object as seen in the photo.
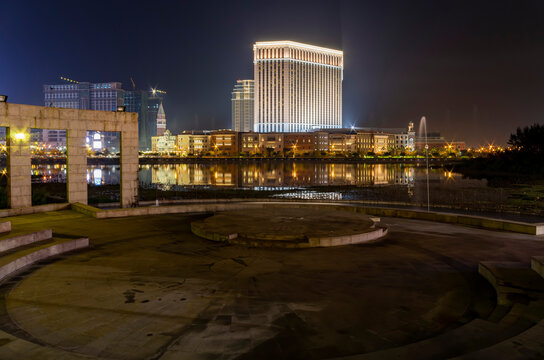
(404, 138)
(365, 142)
(243, 105)
(224, 142)
(342, 142)
(193, 143)
(271, 142)
(437, 142)
(299, 142)
(249, 142)
(383, 143)
(321, 141)
(298, 87)
(164, 144)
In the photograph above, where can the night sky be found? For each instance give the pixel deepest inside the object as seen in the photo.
(475, 69)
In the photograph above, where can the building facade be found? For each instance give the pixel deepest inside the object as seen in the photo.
(299, 142)
(243, 105)
(298, 87)
(85, 96)
(136, 101)
(193, 143)
(106, 97)
(224, 142)
(249, 142)
(271, 142)
(164, 144)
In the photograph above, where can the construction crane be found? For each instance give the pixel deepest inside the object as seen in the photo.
(155, 91)
(69, 80)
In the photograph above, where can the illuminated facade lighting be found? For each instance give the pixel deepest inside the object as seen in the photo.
(243, 105)
(298, 87)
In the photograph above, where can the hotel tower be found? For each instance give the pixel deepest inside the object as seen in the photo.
(298, 87)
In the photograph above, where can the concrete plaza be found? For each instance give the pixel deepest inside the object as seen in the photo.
(150, 289)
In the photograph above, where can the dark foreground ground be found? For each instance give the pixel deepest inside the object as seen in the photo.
(150, 289)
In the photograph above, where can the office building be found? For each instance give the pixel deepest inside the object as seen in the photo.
(298, 87)
(82, 95)
(137, 101)
(243, 105)
(106, 97)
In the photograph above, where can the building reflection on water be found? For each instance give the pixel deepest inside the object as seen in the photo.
(278, 175)
(273, 175)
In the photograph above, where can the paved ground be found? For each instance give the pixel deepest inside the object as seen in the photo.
(149, 289)
(288, 224)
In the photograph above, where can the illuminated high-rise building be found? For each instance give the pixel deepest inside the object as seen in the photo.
(298, 87)
(243, 105)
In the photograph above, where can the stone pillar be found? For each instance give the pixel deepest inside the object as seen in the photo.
(76, 166)
(18, 168)
(129, 166)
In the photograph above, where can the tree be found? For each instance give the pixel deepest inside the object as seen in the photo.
(528, 139)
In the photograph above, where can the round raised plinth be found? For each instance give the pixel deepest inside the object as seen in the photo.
(289, 227)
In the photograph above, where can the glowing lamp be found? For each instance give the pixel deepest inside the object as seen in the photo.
(19, 136)
(120, 109)
(3, 98)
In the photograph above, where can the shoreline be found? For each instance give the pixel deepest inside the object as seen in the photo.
(232, 159)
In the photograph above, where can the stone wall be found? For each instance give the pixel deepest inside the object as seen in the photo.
(19, 119)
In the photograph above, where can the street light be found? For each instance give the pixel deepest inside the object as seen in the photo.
(19, 136)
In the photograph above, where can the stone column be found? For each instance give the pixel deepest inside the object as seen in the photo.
(76, 166)
(129, 166)
(18, 168)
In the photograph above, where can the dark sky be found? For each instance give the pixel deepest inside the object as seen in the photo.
(474, 68)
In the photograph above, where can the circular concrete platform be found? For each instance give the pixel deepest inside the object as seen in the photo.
(289, 227)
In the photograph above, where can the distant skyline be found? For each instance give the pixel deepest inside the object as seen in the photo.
(473, 68)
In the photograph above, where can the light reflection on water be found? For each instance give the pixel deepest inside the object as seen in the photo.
(277, 175)
(257, 176)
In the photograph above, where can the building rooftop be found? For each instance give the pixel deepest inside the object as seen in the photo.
(295, 44)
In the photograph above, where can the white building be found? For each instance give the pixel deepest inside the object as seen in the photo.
(243, 105)
(298, 87)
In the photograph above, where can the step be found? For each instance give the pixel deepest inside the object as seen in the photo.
(537, 264)
(5, 226)
(13, 347)
(17, 260)
(14, 240)
(511, 280)
(527, 345)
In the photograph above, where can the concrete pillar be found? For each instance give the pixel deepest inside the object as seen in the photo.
(76, 166)
(129, 167)
(18, 168)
